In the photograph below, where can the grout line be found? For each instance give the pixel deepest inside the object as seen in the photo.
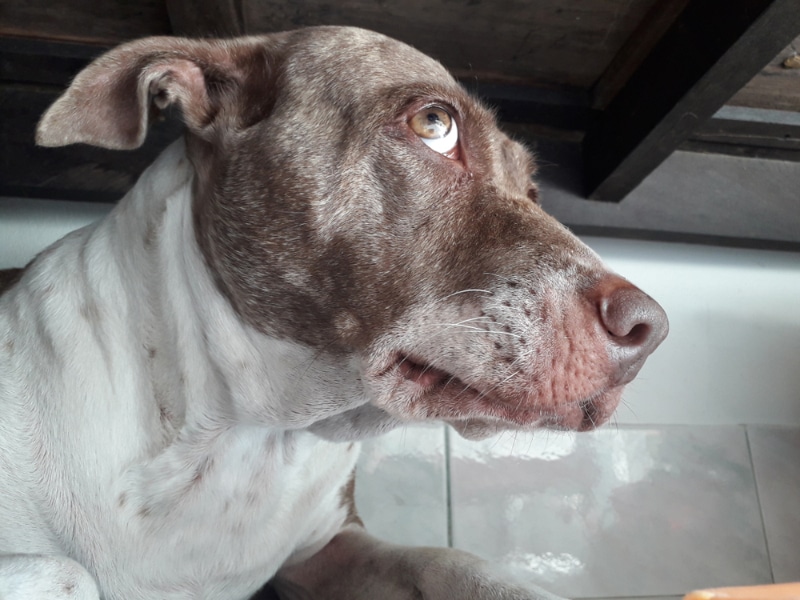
(758, 500)
(448, 492)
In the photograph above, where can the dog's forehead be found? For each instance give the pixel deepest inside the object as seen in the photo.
(349, 57)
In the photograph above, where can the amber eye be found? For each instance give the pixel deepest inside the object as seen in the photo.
(436, 128)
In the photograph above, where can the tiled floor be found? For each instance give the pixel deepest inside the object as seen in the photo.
(627, 512)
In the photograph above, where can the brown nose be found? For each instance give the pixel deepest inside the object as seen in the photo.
(635, 325)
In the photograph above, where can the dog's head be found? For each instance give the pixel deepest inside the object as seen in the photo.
(351, 196)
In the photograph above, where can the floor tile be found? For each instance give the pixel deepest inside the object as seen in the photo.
(400, 486)
(637, 598)
(776, 458)
(614, 513)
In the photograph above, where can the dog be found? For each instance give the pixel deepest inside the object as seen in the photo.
(342, 242)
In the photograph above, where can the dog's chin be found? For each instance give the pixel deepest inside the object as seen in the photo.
(582, 416)
(434, 394)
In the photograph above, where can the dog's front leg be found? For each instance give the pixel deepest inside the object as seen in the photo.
(44, 577)
(357, 566)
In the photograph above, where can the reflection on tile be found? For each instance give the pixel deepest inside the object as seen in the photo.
(776, 459)
(400, 486)
(616, 512)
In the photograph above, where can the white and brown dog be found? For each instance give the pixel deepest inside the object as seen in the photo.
(342, 243)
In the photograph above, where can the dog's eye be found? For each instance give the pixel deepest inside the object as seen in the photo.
(437, 128)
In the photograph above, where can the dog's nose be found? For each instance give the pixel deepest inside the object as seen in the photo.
(635, 325)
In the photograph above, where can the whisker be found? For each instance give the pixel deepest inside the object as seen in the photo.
(478, 291)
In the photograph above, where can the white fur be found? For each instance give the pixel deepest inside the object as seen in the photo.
(157, 442)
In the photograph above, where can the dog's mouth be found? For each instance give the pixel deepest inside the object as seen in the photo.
(423, 374)
(431, 392)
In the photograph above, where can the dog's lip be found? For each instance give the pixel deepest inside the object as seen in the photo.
(581, 415)
(421, 372)
(429, 379)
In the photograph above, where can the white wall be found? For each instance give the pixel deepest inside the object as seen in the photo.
(28, 226)
(733, 353)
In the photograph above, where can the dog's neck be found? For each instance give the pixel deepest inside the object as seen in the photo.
(206, 364)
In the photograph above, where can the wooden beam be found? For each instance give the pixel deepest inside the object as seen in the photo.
(777, 141)
(713, 48)
(206, 18)
(635, 49)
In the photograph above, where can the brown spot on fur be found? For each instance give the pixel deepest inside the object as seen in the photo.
(164, 413)
(90, 311)
(201, 471)
(123, 499)
(149, 234)
(348, 500)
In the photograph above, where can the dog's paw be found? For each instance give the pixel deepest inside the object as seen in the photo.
(38, 577)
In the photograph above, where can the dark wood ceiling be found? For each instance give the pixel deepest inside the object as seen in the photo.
(608, 88)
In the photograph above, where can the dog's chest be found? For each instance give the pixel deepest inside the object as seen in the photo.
(216, 523)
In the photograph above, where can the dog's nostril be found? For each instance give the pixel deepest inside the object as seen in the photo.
(635, 337)
(634, 322)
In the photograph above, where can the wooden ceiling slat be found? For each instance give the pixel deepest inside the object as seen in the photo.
(713, 48)
(206, 18)
(776, 87)
(104, 22)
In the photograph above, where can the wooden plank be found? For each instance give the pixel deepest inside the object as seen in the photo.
(741, 150)
(712, 49)
(76, 172)
(560, 42)
(206, 18)
(749, 133)
(25, 60)
(86, 21)
(777, 86)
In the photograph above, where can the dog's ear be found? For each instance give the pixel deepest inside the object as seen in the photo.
(111, 102)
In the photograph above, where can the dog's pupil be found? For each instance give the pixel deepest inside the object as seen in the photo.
(435, 124)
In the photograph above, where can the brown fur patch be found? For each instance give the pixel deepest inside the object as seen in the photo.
(348, 499)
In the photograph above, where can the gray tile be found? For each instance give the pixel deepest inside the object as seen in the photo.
(400, 486)
(776, 458)
(613, 513)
